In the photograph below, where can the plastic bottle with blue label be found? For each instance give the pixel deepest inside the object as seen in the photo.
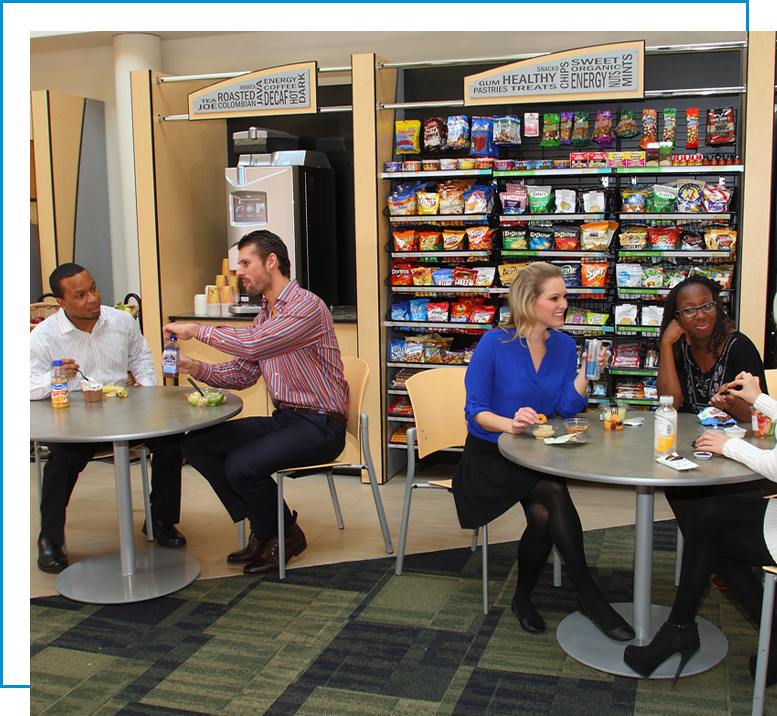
(59, 391)
(170, 355)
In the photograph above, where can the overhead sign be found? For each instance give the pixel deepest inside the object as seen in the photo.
(289, 89)
(613, 71)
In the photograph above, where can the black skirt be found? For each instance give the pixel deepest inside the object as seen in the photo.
(486, 484)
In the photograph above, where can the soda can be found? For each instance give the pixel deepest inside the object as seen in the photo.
(593, 347)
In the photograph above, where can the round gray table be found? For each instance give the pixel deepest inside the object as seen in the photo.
(127, 575)
(626, 458)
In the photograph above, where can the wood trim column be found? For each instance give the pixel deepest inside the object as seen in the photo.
(757, 184)
(47, 233)
(373, 133)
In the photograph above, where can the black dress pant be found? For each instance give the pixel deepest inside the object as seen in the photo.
(67, 460)
(238, 458)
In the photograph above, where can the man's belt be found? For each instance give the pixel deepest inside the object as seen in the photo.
(312, 411)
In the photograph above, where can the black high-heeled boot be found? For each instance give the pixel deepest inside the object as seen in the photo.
(671, 639)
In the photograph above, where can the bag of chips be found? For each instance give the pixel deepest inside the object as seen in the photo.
(422, 276)
(540, 200)
(507, 272)
(628, 275)
(458, 132)
(570, 272)
(664, 238)
(635, 199)
(406, 240)
(442, 277)
(627, 126)
(593, 275)
(430, 241)
(566, 201)
(720, 239)
(596, 236)
(716, 198)
(454, 240)
(428, 202)
(506, 130)
(662, 198)
(408, 136)
(400, 274)
(692, 128)
(566, 120)
(515, 199)
(400, 312)
(649, 128)
(566, 238)
(652, 277)
(484, 276)
(551, 130)
(515, 239)
(594, 202)
(480, 238)
(720, 127)
(418, 309)
(531, 124)
(689, 196)
(673, 276)
(435, 132)
(478, 200)
(633, 238)
(481, 137)
(603, 134)
(691, 240)
(437, 311)
(482, 314)
(540, 238)
(670, 125)
(581, 135)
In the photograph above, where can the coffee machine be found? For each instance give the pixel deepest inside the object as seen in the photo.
(291, 193)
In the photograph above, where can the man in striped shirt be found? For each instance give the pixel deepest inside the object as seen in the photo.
(291, 343)
(104, 343)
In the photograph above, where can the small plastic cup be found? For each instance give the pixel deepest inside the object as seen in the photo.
(762, 425)
(92, 390)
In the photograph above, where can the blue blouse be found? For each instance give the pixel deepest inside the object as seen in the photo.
(501, 379)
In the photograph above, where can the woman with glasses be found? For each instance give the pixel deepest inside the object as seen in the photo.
(701, 352)
(727, 534)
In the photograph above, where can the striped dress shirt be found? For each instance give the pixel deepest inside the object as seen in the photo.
(296, 351)
(114, 346)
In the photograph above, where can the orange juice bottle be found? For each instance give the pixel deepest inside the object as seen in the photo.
(665, 428)
(59, 393)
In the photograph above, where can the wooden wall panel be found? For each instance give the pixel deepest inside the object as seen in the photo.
(39, 107)
(757, 184)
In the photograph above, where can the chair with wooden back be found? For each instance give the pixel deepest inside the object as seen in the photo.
(355, 456)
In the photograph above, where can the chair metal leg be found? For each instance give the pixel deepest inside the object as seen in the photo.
(485, 569)
(241, 534)
(281, 529)
(764, 638)
(556, 567)
(335, 502)
(143, 450)
(474, 546)
(679, 557)
(411, 433)
(367, 456)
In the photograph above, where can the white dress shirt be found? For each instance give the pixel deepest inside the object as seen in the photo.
(764, 462)
(114, 346)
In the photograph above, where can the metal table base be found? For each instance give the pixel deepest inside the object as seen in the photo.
(99, 580)
(579, 638)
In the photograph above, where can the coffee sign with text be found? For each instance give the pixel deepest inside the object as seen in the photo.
(289, 89)
(603, 72)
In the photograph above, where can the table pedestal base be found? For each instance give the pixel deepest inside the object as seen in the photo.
(98, 580)
(579, 638)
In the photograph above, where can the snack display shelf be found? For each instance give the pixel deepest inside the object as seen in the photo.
(646, 372)
(401, 418)
(396, 391)
(679, 216)
(566, 171)
(436, 218)
(437, 254)
(695, 254)
(651, 292)
(510, 219)
(687, 169)
(437, 173)
(597, 400)
(585, 328)
(485, 290)
(403, 447)
(637, 401)
(439, 326)
(550, 253)
(631, 330)
(401, 364)
(586, 290)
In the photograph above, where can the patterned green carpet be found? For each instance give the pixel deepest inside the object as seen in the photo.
(356, 639)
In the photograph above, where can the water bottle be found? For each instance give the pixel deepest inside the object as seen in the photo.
(59, 393)
(170, 358)
(665, 429)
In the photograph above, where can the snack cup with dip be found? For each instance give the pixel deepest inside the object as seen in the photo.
(734, 431)
(211, 397)
(92, 390)
(546, 430)
(576, 425)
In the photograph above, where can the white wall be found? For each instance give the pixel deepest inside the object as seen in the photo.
(89, 72)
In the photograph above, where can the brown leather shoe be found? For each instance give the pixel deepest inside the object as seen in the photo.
(250, 552)
(268, 560)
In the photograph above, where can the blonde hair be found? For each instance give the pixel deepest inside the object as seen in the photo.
(524, 291)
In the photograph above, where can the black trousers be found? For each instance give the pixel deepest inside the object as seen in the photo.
(238, 458)
(67, 460)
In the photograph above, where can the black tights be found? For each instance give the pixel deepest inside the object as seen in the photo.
(723, 534)
(551, 518)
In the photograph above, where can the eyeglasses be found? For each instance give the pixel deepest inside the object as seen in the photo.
(691, 311)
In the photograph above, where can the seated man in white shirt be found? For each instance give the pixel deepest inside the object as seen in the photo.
(104, 343)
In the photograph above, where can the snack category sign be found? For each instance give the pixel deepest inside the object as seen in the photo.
(290, 89)
(613, 71)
